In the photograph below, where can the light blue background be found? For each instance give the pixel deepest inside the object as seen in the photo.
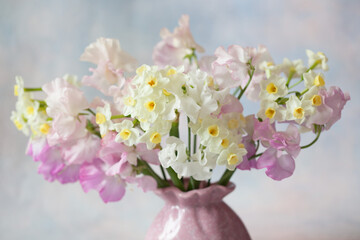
(41, 40)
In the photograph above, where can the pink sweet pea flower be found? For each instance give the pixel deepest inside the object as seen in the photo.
(52, 165)
(336, 100)
(173, 47)
(230, 68)
(231, 104)
(278, 164)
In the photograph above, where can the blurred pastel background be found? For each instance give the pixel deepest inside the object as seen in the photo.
(43, 39)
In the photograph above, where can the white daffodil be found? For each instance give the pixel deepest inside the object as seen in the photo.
(19, 122)
(126, 132)
(312, 78)
(72, 79)
(212, 132)
(103, 119)
(231, 156)
(298, 110)
(273, 88)
(234, 121)
(294, 68)
(270, 68)
(154, 134)
(318, 58)
(19, 86)
(272, 111)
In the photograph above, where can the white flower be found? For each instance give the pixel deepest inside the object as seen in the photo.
(19, 86)
(298, 110)
(311, 79)
(212, 132)
(270, 68)
(273, 88)
(272, 111)
(296, 67)
(319, 58)
(231, 156)
(154, 134)
(196, 166)
(126, 133)
(18, 120)
(103, 119)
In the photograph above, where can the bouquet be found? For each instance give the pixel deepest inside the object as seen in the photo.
(173, 123)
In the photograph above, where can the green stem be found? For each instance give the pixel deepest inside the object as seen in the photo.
(189, 135)
(291, 74)
(225, 178)
(193, 184)
(32, 89)
(237, 90)
(163, 172)
(117, 116)
(251, 74)
(302, 76)
(174, 178)
(90, 111)
(318, 130)
(195, 143)
(147, 170)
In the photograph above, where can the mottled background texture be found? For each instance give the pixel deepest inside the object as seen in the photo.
(43, 39)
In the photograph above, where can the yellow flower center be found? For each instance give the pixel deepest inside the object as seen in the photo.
(210, 81)
(152, 81)
(299, 113)
(16, 90)
(129, 101)
(271, 88)
(30, 110)
(316, 100)
(241, 145)
(44, 128)
(140, 70)
(155, 138)
(171, 72)
(232, 159)
(233, 123)
(18, 125)
(100, 118)
(270, 112)
(150, 106)
(225, 143)
(166, 93)
(319, 81)
(213, 130)
(125, 134)
(269, 64)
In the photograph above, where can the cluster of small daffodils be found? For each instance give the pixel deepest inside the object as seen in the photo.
(182, 114)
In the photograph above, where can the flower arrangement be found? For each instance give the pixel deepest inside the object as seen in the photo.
(110, 142)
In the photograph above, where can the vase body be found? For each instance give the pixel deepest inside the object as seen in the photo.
(196, 215)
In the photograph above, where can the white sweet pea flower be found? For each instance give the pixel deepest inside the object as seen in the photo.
(298, 110)
(273, 88)
(312, 78)
(103, 119)
(126, 133)
(231, 156)
(272, 111)
(319, 58)
(295, 68)
(196, 166)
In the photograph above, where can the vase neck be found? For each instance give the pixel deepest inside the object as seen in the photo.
(194, 198)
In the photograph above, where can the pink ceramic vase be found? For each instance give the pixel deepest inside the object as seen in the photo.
(197, 214)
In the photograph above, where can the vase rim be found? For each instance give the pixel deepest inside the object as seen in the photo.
(219, 190)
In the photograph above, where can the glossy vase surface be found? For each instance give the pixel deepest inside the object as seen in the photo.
(198, 214)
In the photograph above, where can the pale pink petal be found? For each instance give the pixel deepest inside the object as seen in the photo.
(113, 189)
(146, 183)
